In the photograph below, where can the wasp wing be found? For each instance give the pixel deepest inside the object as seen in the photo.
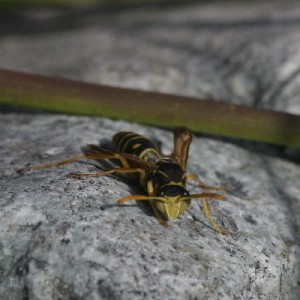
(182, 140)
(127, 160)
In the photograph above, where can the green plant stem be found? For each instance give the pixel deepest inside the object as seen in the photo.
(218, 118)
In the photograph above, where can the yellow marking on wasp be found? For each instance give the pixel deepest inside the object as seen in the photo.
(128, 141)
(173, 183)
(136, 146)
(120, 141)
(146, 151)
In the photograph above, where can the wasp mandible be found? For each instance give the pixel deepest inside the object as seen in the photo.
(163, 177)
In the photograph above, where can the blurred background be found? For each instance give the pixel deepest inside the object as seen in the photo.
(244, 52)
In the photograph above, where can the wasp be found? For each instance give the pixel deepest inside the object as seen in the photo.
(162, 177)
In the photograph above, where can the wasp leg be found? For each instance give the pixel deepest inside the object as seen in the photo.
(52, 165)
(193, 176)
(207, 214)
(118, 170)
(102, 156)
(74, 159)
(150, 188)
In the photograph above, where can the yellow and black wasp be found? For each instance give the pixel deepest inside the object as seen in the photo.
(163, 177)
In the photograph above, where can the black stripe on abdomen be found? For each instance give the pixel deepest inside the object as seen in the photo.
(132, 143)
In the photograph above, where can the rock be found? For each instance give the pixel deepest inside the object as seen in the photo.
(62, 238)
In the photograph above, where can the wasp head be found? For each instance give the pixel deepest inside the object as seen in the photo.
(172, 201)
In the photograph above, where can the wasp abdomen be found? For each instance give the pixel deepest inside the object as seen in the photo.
(134, 144)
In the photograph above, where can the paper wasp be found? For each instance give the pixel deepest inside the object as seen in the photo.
(162, 177)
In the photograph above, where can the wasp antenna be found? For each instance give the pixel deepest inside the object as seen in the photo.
(138, 198)
(206, 195)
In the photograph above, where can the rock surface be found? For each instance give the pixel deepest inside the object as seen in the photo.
(62, 238)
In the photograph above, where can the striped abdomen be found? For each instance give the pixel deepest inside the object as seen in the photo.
(135, 144)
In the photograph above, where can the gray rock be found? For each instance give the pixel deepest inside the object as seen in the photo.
(62, 238)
